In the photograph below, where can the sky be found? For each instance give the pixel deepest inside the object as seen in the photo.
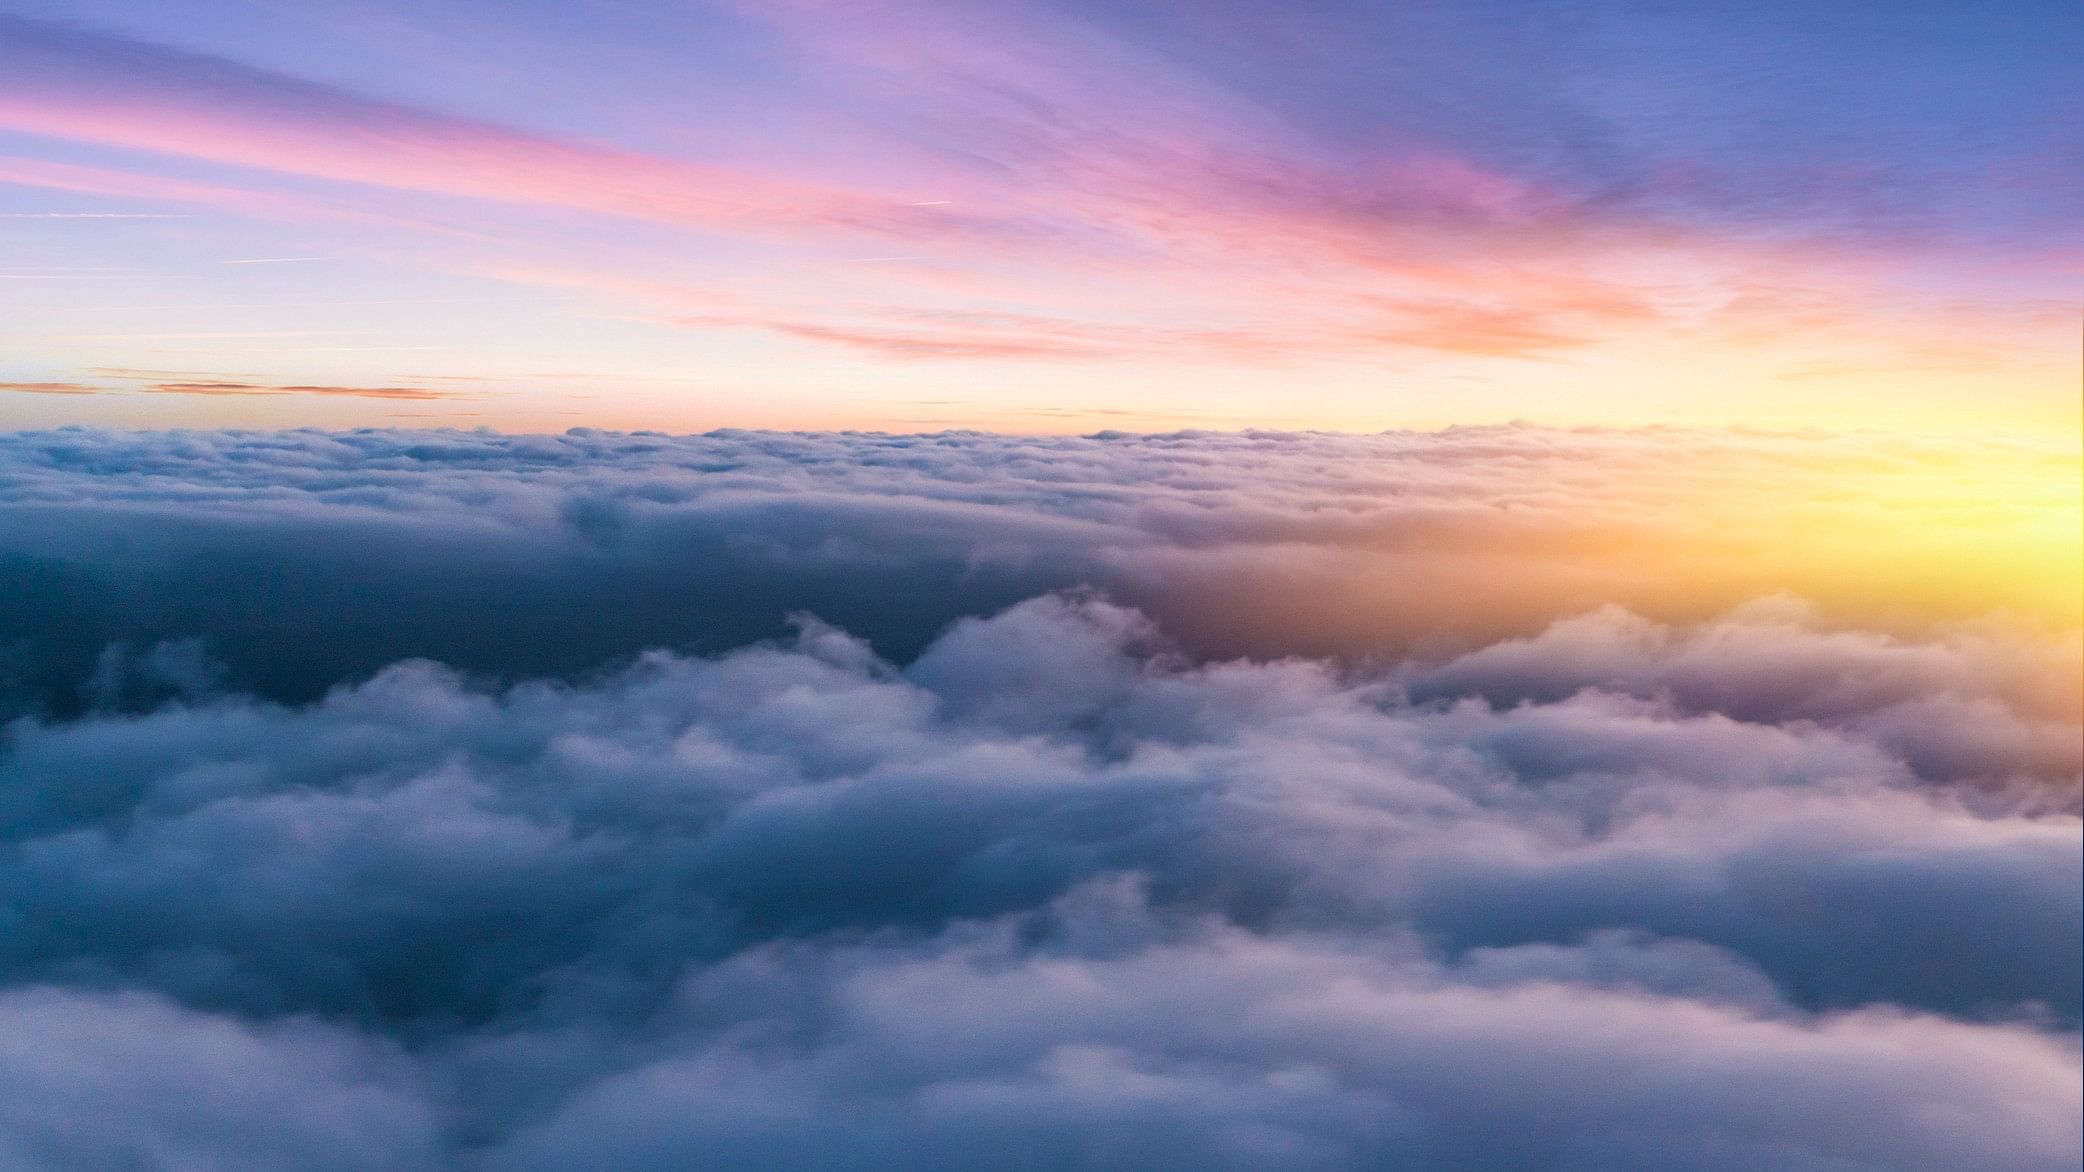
(1041, 585)
(1037, 216)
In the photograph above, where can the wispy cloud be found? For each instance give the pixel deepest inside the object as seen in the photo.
(220, 197)
(66, 81)
(88, 215)
(948, 181)
(54, 388)
(245, 388)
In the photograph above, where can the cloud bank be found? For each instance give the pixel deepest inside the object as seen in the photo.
(305, 558)
(1050, 886)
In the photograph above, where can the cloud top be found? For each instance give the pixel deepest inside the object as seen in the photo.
(1057, 896)
(1339, 849)
(304, 558)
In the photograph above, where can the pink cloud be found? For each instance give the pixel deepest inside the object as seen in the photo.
(61, 388)
(243, 388)
(64, 82)
(265, 205)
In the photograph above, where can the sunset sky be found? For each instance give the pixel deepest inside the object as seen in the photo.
(1034, 216)
(1041, 585)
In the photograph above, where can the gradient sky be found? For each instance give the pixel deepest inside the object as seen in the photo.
(1040, 215)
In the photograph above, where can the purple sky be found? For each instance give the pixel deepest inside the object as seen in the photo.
(1039, 216)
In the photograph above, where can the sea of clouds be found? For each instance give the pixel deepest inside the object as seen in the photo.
(395, 800)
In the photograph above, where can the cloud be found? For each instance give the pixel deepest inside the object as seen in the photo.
(239, 388)
(916, 333)
(991, 344)
(1241, 203)
(67, 81)
(265, 205)
(1054, 894)
(1524, 327)
(1366, 837)
(86, 215)
(197, 1091)
(1235, 1054)
(220, 387)
(1170, 187)
(1533, 325)
(59, 388)
(305, 558)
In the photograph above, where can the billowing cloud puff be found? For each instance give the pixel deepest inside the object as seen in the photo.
(126, 1080)
(1056, 893)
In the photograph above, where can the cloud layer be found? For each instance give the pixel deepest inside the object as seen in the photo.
(1055, 896)
(304, 558)
(1039, 880)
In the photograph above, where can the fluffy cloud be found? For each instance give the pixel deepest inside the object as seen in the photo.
(92, 1080)
(1057, 894)
(462, 801)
